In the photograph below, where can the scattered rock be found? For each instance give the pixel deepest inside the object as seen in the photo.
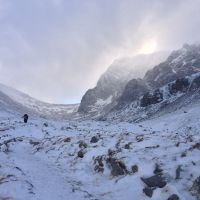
(173, 197)
(45, 124)
(155, 181)
(148, 191)
(111, 152)
(127, 146)
(195, 146)
(99, 166)
(117, 167)
(140, 138)
(178, 172)
(82, 144)
(184, 154)
(34, 143)
(177, 144)
(68, 128)
(134, 168)
(193, 163)
(195, 189)
(152, 147)
(68, 139)
(4, 148)
(80, 154)
(157, 170)
(94, 139)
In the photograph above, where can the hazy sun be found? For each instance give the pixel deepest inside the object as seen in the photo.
(148, 47)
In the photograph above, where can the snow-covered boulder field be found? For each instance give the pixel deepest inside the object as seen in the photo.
(155, 159)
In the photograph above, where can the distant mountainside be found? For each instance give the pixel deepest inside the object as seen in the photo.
(173, 82)
(111, 84)
(15, 102)
(125, 92)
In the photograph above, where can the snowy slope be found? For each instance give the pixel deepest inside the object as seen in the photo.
(13, 100)
(40, 161)
(168, 98)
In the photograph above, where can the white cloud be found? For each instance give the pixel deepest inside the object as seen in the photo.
(55, 50)
(57, 2)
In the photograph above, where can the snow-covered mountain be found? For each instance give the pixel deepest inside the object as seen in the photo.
(180, 63)
(165, 84)
(13, 101)
(154, 158)
(111, 84)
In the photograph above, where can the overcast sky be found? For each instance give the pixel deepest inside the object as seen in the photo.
(55, 50)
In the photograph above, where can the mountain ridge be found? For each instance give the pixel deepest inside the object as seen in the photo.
(12, 100)
(112, 82)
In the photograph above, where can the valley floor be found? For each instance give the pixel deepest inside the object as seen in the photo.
(49, 160)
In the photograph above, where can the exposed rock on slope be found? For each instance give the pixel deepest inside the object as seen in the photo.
(129, 95)
(179, 64)
(178, 76)
(121, 86)
(110, 86)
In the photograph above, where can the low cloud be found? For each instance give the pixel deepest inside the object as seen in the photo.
(55, 50)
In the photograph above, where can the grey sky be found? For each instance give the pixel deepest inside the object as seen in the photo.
(55, 50)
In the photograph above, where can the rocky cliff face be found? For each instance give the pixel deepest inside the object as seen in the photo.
(165, 84)
(179, 64)
(122, 88)
(129, 95)
(111, 84)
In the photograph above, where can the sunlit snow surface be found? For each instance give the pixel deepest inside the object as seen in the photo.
(37, 162)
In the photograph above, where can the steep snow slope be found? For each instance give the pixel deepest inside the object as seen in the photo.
(63, 160)
(111, 84)
(13, 100)
(168, 98)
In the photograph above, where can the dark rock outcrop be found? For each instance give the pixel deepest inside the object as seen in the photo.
(180, 63)
(94, 139)
(173, 197)
(80, 154)
(148, 191)
(112, 83)
(177, 78)
(195, 189)
(195, 84)
(178, 172)
(132, 92)
(117, 167)
(158, 170)
(134, 169)
(151, 98)
(180, 85)
(82, 144)
(99, 165)
(155, 181)
(68, 139)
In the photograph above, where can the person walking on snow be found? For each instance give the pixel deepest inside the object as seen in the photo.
(25, 118)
